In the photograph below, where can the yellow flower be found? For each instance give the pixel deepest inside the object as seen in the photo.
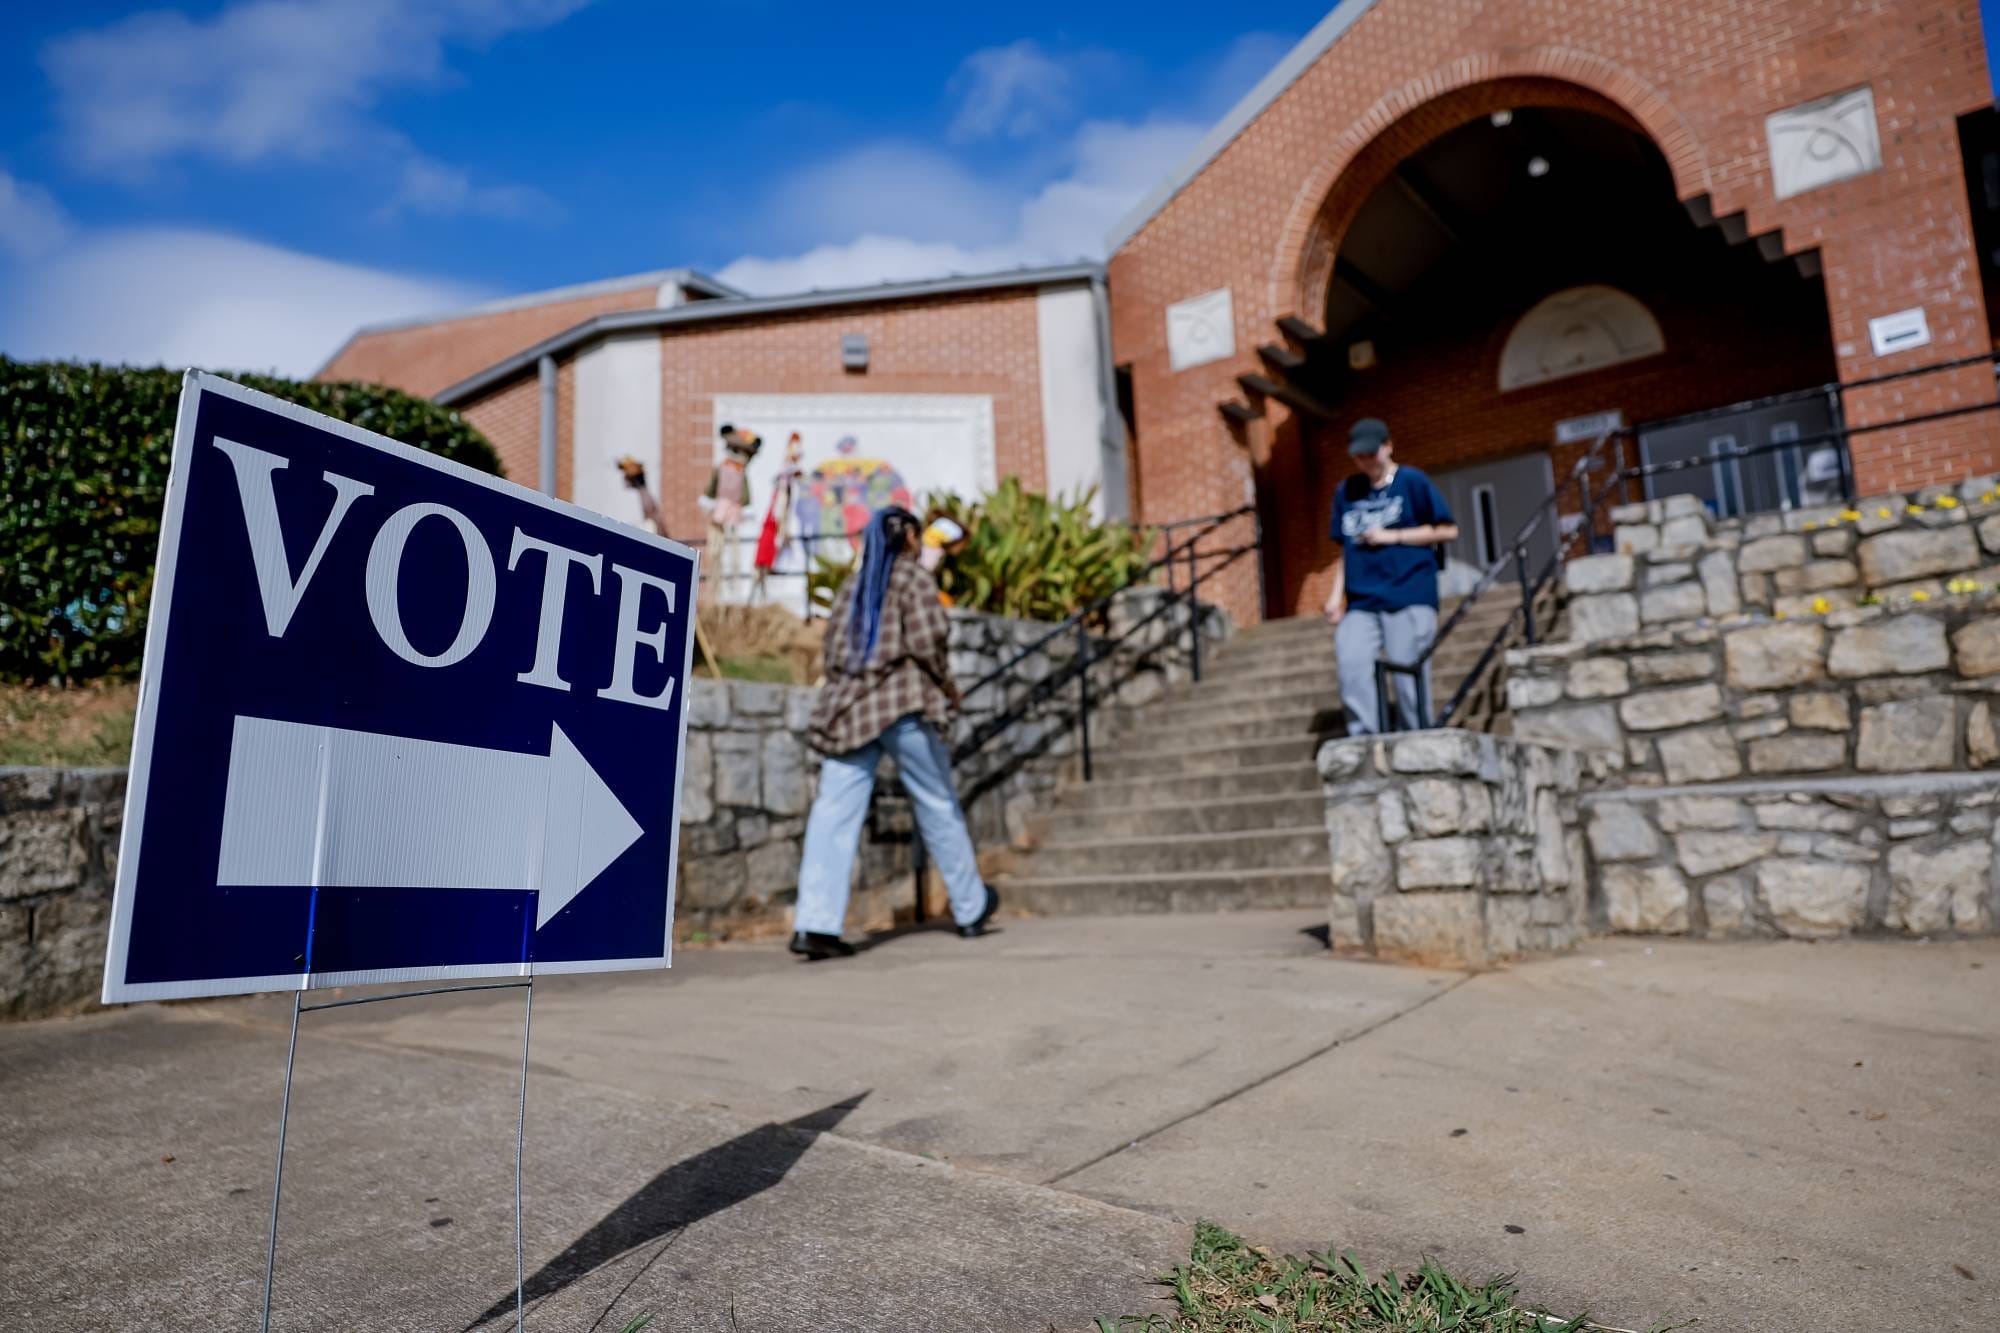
(1913, 509)
(1851, 515)
(1777, 615)
(1883, 512)
(1947, 502)
(1989, 497)
(1920, 596)
(1820, 607)
(1811, 526)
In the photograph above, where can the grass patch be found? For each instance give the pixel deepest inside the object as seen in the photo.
(1227, 1286)
(78, 726)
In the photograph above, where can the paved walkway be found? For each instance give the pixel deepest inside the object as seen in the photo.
(1015, 1133)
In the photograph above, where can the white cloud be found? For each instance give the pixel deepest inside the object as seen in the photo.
(890, 187)
(1110, 166)
(862, 261)
(31, 221)
(433, 189)
(163, 296)
(900, 211)
(1016, 90)
(262, 80)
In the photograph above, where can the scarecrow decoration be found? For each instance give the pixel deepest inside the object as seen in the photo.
(775, 535)
(724, 500)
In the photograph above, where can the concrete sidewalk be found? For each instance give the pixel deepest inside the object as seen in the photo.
(1016, 1132)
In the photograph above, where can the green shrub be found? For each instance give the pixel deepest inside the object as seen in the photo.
(1026, 555)
(83, 473)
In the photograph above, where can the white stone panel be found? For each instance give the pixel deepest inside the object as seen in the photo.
(1826, 140)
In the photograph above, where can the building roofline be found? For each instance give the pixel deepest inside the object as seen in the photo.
(739, 307)
(685, 277)
(1286, 72)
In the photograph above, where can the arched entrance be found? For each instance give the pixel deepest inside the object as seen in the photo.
(1508, 257)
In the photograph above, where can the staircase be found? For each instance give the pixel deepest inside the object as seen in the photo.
(1208, 799)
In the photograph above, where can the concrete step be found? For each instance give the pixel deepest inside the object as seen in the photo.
(1148, 790)
(1131, 895)
(1218, 726)
(1269, 664)
(1219, 683)
(1211, 760)
(1178, 710)
(1235, 815)
(1253, 849)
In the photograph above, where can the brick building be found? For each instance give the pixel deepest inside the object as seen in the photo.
(1498, 224)
(954, 383)
(1481, 218)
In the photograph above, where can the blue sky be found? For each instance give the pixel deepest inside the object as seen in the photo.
(238, 184)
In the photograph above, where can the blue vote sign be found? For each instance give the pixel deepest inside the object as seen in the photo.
(398, 720)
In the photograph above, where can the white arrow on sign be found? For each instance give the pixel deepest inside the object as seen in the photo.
(311, 805)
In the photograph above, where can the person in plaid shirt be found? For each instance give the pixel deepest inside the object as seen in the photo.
(888, 688)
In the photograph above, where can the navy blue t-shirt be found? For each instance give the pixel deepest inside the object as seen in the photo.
(1388, 578)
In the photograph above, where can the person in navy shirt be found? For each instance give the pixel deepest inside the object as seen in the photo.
(1388, 523)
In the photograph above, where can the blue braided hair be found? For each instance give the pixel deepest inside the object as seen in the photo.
(886, 537)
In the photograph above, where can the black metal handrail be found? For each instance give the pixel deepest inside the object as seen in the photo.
(1077, 622)
(1533, 587)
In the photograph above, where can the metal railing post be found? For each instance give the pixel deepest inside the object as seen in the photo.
(1383, 690)
(919, 862)
(1836, 410)
(1194, 611)
(1527, 592)
(1083, 695)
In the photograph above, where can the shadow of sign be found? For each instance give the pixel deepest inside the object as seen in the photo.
(678, 1197)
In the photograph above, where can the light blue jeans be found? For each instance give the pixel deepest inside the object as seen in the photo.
(833, 831)
(1397, 636)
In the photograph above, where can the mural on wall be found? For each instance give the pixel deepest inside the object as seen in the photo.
(858, 453)
(842, 493)
(1577, 330)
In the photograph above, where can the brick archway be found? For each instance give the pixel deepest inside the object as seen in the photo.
(1409, 117)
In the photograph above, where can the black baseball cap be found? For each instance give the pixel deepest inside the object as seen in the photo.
(1367, 435)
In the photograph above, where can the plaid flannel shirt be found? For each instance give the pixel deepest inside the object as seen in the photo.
(904, 675)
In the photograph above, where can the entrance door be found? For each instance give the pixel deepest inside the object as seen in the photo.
(1778, 479)
(1492, 501)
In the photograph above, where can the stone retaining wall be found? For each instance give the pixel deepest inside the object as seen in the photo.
(1673, 565)
(58, 858)
(1861, 690)
(1451, 847)
(1909, 856)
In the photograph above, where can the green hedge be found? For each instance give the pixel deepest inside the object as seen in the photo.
(83, 476)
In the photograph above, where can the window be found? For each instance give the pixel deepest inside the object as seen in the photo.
(1486, 525)
(1728, 482)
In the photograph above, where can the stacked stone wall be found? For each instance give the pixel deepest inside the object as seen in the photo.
(1451, 847)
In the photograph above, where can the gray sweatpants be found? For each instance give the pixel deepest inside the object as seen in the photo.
(1361, 638)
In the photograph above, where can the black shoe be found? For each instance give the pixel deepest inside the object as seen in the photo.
(978, 928)
(814, 947)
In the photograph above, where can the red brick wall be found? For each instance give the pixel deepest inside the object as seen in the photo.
(429, 357)
(979, 342)
(1264, 217)
(512, 420)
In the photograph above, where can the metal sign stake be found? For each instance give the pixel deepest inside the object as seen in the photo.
(278, 1176)
(520, 1127)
